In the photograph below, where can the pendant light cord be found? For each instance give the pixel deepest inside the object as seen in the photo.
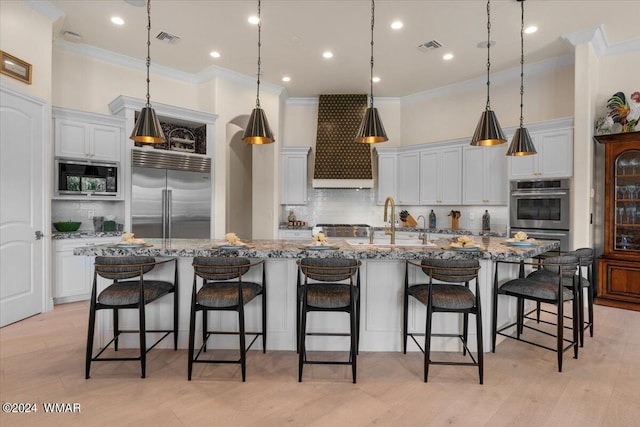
(259, 62)
(148, 49)
(488, 51)
(373, 11)
(521, 62)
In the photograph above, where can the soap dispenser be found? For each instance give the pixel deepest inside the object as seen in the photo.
(486, 221)
(432, 219)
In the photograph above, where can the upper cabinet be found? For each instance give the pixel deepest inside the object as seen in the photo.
(484, 175)
(553, 160)
(294, 175)
(387, 160)
(440, 176)
(409, 178)
(87, 136)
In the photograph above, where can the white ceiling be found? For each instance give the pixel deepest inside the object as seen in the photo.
(296, 32)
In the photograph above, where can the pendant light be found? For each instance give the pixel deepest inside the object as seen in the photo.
(521, 144)
(488, 131)
(371, 129)
(258, 130)
(147, 129)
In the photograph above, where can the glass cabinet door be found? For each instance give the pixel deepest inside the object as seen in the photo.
(627, 201)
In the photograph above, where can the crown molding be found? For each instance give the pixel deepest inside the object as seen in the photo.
(123, 60)
(499, 77)
(122, 104)
(46, 9)
(314, 101)
(210, 73)
(598, 39)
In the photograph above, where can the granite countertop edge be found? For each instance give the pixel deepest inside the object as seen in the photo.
(58, 235)
(491, 248)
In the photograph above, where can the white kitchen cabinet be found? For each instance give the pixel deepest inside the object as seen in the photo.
(553, 160)
(294, 175)
(484, 175)
(409, 178)
(441, 176)
(293, 234)
(73, 275)
(87, 136)
(387, 173)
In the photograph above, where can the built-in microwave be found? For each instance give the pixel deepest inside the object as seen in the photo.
(86, 178)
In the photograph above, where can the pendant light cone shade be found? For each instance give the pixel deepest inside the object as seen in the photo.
(488, 131)
(371, 129)
(258, 130)
(521, 144)
(147, 129)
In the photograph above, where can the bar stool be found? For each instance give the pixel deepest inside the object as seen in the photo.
(452, 296)
(125, 293)
(223, 289)
(586, 261)
(329, 285)
(556, 285)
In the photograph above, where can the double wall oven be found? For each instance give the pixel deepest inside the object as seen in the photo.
(541, 208)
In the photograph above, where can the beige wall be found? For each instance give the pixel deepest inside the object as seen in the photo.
(453, 112)
(619, 73)
(29, 42)
(89, 84)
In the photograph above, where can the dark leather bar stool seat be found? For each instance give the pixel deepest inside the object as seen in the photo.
(329, 285)
(129, 290)
(451, 295)
(223, 289)
(555, 282)
(586, 261)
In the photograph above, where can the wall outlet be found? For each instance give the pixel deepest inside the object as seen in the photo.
(472, 216)
(91, 214)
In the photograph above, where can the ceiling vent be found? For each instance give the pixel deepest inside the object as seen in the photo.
(430, 45)
(167, 38)
(70, 36)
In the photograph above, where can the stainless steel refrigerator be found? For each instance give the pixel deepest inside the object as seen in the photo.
(170, 195)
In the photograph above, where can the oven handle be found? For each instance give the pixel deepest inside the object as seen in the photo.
(544, 233)
(538, 194)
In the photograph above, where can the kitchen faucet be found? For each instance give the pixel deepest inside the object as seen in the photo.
(423, 235)
(392, 230)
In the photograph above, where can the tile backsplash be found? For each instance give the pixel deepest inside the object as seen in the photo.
(353, 206)
(78, 210)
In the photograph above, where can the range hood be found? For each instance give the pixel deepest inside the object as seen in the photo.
(341, 162)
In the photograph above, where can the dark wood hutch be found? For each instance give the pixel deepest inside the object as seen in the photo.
(619, 265)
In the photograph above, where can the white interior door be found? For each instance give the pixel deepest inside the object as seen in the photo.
(22, 144)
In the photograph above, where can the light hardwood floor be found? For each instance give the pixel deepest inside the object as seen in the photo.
(42, 360)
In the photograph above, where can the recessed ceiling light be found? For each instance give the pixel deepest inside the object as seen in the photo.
(215, 54)
(447, 56)
(375, 79)
(286, 79)
(396, 25)
(253, 20)
(328, 54)
(117, 20)
(531, 29)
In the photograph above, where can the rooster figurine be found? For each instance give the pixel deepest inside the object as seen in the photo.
(622, 113)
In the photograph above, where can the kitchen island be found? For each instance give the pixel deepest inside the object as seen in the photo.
(382, 283)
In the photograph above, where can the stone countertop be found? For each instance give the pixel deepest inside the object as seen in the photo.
(57, 235)
(490, 248)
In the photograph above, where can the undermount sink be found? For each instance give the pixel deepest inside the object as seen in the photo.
(386, 242)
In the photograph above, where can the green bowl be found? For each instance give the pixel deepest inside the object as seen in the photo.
(67, 225)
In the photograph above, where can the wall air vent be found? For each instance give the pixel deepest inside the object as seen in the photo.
(430, 45)
(167, 38)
